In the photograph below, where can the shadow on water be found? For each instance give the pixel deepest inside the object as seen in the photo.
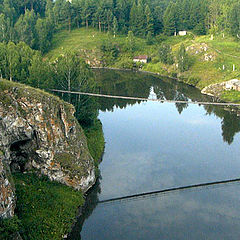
(85, 212)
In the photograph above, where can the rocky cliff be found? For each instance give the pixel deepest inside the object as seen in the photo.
(39, 132)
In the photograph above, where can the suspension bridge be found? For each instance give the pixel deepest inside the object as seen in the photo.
(162, 191)
(168, 190)
(147, 99)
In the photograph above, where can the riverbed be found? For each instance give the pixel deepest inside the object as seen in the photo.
(152, 146)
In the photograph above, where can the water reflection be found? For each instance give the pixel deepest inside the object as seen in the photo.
(151, 146)
(121, 83)
(90, 204)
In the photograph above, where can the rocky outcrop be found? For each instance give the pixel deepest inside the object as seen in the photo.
(7, 192)
(39, 131)
(218, 88)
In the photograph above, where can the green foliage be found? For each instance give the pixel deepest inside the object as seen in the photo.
(39, 73)
(15, 61)
(149, 38)
(231, 96)
(9, 227)
(193, 81)
(25, 28)
(71, 73)
(165, 54)
(24, 20)
(183, 59)
(125, 63)
(115, 26)
(235, 20)
(109, 51)
(169, 20)
(131, 44)
(44, 31)
(46, 209)
(95, 141)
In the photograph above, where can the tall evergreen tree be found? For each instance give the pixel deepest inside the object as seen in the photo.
(235, 20)
(149, 20)
(133, 18)
(130, 42)
(44, 33)
(169, 19)
(115, 26)
(25, 28)
(3, 29)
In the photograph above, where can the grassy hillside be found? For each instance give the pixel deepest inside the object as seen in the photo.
(207, 56)
(88, 42)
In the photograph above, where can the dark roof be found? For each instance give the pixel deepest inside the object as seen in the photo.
(143, 57)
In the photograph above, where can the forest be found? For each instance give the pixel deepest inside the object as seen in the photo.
(34, 21)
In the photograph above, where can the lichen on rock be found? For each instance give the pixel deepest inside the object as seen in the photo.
(39, 131)
(7, 191)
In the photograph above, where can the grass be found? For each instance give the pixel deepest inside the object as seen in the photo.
(231, 96)
(46, 209)
(226, 52)
(9, 228)
(24, 91)
(88, 41)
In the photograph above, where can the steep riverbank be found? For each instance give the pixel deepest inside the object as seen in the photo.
(41, 144)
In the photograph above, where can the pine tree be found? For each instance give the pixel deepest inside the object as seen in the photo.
(115, 26)
(122, 13)
(140, 20)
(234, 20)
(130, 42)
(133, 18)
(44, 33)
(3, 29)
(149, 38)
(149, 20)
(109, 19)
(77, 10)
(49, 13)
(169, 20)
(25, 28)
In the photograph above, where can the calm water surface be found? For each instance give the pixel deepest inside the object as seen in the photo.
(152, 146)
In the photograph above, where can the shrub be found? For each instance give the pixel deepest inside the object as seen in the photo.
(9, 227)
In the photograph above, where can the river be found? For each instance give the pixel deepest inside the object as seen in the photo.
(152, 146)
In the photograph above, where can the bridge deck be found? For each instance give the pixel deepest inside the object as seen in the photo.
(147, 99)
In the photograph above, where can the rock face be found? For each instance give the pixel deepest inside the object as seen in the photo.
(218, 88)
(39, 131)
(7, 197)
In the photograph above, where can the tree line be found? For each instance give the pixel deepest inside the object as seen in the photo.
(35, 21)
(18, 62)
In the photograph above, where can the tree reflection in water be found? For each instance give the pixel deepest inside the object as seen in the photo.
(134, 84)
